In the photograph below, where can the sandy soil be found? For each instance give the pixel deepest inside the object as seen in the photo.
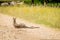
(8, 32)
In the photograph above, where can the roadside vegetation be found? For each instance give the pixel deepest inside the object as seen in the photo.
(49, 16)
(45, 12)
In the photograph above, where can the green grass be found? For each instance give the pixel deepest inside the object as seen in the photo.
(42, 15)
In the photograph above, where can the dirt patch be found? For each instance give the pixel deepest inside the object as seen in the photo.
(8, 32)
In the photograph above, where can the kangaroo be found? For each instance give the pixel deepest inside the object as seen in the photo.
(22, 25)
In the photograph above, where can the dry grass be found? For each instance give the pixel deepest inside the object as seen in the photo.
(43, 15)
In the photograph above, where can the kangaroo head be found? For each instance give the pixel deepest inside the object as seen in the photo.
(14, 20)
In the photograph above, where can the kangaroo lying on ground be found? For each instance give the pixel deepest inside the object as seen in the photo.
(22, 25)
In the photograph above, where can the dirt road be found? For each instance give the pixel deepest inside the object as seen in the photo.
(8, 32)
